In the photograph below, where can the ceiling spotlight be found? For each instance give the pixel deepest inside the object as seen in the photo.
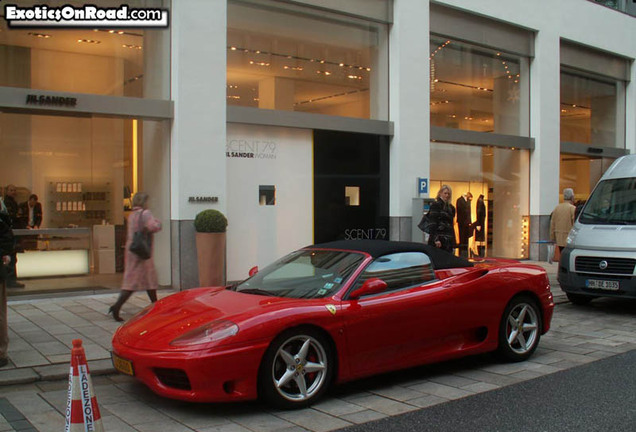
(40, 35)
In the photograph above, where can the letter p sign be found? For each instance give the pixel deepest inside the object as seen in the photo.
(422, 185)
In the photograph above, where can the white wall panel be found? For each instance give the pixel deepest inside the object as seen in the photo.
(270, 156)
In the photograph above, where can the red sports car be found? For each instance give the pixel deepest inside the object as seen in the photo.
(331, 313)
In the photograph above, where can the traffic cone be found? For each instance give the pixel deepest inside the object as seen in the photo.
(82, 412)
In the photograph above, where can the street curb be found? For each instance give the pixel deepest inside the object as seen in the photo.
(54, 372)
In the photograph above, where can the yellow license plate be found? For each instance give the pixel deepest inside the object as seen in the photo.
(122, 365)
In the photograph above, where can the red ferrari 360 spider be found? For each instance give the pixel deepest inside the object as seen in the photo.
(331, 313)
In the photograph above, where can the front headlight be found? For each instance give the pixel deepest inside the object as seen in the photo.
(210, 332)
(572, 236)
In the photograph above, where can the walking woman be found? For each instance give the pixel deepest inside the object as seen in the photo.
(139, 273)
(441, 215)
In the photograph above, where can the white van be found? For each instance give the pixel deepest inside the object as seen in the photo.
(600, 257)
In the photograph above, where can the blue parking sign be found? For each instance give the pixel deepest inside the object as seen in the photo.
(422, 185)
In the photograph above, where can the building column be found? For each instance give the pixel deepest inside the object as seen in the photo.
(630, 110)
(545, 115)
(409, 110)
(198, 166)
(156, 145)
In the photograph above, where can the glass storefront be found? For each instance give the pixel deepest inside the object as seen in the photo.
(83, 166)
(84, 171)
(590, 111)
(478, 89)
(298, 59)
(113, 62)
(502, 176)
(581, 173)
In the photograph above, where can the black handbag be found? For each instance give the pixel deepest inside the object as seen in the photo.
(140, 244)
(425, 224)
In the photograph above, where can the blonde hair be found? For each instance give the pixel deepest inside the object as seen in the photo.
(140, 199)
(443, 188)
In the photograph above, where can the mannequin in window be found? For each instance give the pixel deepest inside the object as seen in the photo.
(480, 225)
(464, 222)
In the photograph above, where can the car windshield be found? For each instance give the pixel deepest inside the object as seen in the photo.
(303, 274)
(613, 202)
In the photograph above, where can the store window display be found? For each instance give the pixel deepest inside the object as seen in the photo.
(71, 176)
(499, 177)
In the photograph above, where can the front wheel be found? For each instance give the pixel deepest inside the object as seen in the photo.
(297, 369)
(520, 329)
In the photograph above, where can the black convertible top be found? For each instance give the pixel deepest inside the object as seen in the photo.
(440, 258)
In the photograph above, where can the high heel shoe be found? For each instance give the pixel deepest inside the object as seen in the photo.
(112, 310)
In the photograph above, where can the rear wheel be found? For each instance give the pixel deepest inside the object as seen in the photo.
(579, 299)
(297, 369)
(520, 329)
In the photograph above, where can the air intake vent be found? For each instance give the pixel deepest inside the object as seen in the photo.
(175, 378)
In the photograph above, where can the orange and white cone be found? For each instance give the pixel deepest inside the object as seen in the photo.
(82, 412)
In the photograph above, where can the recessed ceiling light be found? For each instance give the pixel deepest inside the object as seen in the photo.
(40, 35)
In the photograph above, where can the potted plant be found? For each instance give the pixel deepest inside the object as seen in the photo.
(210, 226)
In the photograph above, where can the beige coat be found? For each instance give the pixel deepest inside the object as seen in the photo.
(561, 223)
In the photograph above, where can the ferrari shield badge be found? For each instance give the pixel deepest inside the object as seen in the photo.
(331, 308)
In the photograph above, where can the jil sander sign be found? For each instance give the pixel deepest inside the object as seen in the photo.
(203, 199)
(46, 100)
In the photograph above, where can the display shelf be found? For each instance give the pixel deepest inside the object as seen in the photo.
(75, 203)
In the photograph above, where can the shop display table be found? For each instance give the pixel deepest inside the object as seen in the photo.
(53, 252)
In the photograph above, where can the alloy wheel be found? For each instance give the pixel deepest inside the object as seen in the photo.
(299, 369)
(522, 328)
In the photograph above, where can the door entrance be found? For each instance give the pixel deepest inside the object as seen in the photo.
(351, 186)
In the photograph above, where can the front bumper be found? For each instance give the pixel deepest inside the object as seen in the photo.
(226, 375)
(574, 282)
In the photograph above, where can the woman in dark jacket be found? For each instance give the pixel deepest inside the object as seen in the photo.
(440, 217)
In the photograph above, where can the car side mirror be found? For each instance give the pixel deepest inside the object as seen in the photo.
(253, 271)
(371, 286)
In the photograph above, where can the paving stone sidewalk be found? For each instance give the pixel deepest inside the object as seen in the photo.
(41, 332)
(33, 386)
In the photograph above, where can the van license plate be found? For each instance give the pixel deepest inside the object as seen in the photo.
(602, 284)
(123, 365)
